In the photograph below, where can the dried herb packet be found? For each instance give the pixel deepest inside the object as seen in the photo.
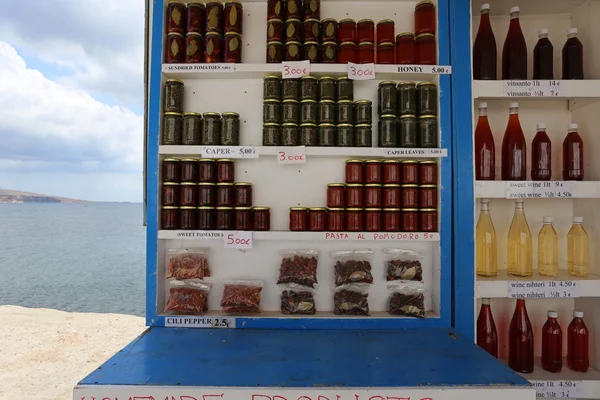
(187, 301)
(352, 271)
(188, 266)
(408, 304)
(348, 302)
(300, 270)
(240, 299)
(404, 270)
(293, 302)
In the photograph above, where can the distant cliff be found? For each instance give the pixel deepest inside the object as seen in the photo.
(15, 196)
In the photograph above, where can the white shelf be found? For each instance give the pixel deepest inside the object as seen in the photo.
(497, 287)
(285, 236)
(497, 189)
(571, 90)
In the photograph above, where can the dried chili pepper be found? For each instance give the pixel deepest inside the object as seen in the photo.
(404, 270)
(241, 298)
(348, 302)
(352, 271)
(185, 300)
(300, 269)
(409, 303)
(297, 303)
(188, 266)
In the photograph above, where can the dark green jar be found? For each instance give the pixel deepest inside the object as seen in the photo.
(309, 88)
(386, 93)
(172, 129)
(407, 98)
(345, 112)
(272, 112)
(192, 129)
(345, 135)
(309, 135)
(290, 135)
(387, 130)
(211, 129)
(408, 131)
(327, 135)
(271, 135)
(428, 98)
(230, 129)
(272, 88)
(173, 96)
(291, 89)
(345, 89)
(309, 113)
(327, 112)
(327, 89)
(363, 110)
(363, 134)
(290, 112)
(428, 131)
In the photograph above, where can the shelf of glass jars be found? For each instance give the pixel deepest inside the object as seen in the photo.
(537, 89)
(537, 189)
(537, 286)
(259, 71)
(307, 236)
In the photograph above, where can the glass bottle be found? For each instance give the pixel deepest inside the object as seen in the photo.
(543, 57)
(552, 343)
(514, 148)
(541, 155)
(572, 54)
(487, 247)
(520, 257)
(520, 340)
(577, 249)
(514, 53)
(484, 49)
(485, 151)
(573, 155)
(578, 344)
(548, 249)
(487, 337)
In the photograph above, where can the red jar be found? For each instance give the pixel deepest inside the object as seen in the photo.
(293, 30)
(188, 218)
(336, 218)
(428, 172)
(424, 17)
(188, 194)
(346, 31)
(214, 16)
(293, 9)
(405, 48)
(225, 171)
(385, 31)
(225, 195)
(429, 220)
(274, 52)
(196, 17)
(355, 220)
(189, 170)
(365, 53)
(311, 51)
(175, 48)
(176, 17)
(170, 194)
(207, 170)
(391, 172)
(329, 52)
(329, 28)
(425, 49)
(213, 49)
(373, 219)
(262, 218)
(355, 194)
(224, 217)
(169, 218)
(293, 51)
(275, 9)
(347, 53)
(243, 218)
(354, 171)
(410, 173)
(206, 218)
(312, 30)
(428, 196)
(336, 195)
(373, 171)
(391, 220)
(234, 16)
(410, 196)
(233, 48)
(373, 196)
(194, 48)
(207, 194)
(391, 196)
(171, 170)
(298, 219)
(312, 9)
(365, 31)
(410, 220)
(275, 30)
(317, 219)
(386, 53)
(243, 194)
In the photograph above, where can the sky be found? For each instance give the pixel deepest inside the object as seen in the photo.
(72, 98)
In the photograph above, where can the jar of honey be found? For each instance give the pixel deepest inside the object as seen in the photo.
(171, 170)
(405, 48)
(275, 29)
(346, 53)
(410, 196)
(234, 16)
(429, 220)
(336, 195)
(385, 31)
(170, 194)
(410, 220)
(176, 16)
(196, 17)
(410, 173)
(373, 172)
(175, 48)
(429, 196)
(355, 195)
(365, 53)
(386, 53)
(262, 218)
(188, 194)
(170, 218)
(225, 195)
(206, 218)
(189, 170)
(391, 220)
(194, 48)
(243, 194)
(225, 171)
(336, 220)
(354, 171)
(365, 31)
(355, 220)
(424, 17)
(317, 219)
(425, 49)
(188, 218)
(373, 196)
(346, 31)
(242, 218)
(207, 194)
(298, 219)
(391, 172)
(224, 218)
(391, 196)
(373, 220)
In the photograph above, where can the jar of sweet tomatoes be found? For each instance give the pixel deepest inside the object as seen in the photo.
(207, 194)
(355, 220)
(373, 219)
(243, 194)
(429, 196)
(385, 31)
(405, 48)
(429, 220)
(188, 218)
(224, 217)
(225, 195)
(225, 171)
(189, 170)
(262, 218)
(365, 31)
(391, 196)
(410, 196)
(170, 194)
(171, 170)
(354, 195)
(410, 220)
(428, 172)
(317, 219)
(391, 172)
(410, 173)
(354, 171)
(188, 194)
(373, 171)
(336, 220)
(207, 170)
(298, 219)
(424, 17)
(243, 218)
(391, 220)
(336, 195)
(170, 218)
(373, 196)
(206, 218)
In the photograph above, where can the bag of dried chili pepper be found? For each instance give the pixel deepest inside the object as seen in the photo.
(403, 265)
(407, 300)
(241, 297)
(351, 300)
(187, 298)
(299, 267)
(352, 266)
(187, 264)
(298, 302)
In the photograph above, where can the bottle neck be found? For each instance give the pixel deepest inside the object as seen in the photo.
(485, 207)
(514, 111)
(521, 304)
(483, 112)
(543, 36)
(514, 16)
(571, 35)
(519, 207)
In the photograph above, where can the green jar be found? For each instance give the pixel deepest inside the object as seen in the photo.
(428, 98)
(290, 135)
(363, 110)
(428, 132)
(291, 89)
(272, 88)
(345, 89)
(407, 98)
(173, 96)
(230, 129)
(327, 111)
(345, 112)
(272, 112)
(309, 112)
(309, 135)
(309, 88)
(192, 129)
(408, 131)
(387, 131)
(172, 129)
(327, 135)
(363, 135)
(327, 89)
(290, 112)
(387, 98)
(345, 135)
(271, 135)
(211, 129)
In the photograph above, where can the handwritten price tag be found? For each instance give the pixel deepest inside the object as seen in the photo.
(361, 72)
(238, 240)
(533, 88)
(295, 69)
(539, 190)
(291, 155)
(543, 289)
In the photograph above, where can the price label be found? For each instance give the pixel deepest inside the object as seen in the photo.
(230, 152)
(361, 72)
(295, 69)
(539, 190)
(216, 67)
(533, 88)
(238, 240)
(558, 389)
(543, 289)
(291, 155)
(200, 322)
(425, 69)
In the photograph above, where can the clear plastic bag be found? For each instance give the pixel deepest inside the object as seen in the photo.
(190, 298)
(351, 300)
(403, 265)
(187, 264)
(241, 296)
(299, 267)
(300, 302)
(352, 266)
(408, 301)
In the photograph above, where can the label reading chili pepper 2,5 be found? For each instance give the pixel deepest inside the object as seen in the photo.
(238, 240)
(199, 322)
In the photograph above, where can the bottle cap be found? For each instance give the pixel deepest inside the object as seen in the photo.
(578, 314)
(513, 105)
(552, 314)
(519, 201)
(485, 300)
(485, 200)
(540, 127)
(485, 6)
(578, 220)
(483, 104)
(573, 127)
(543, 31)
(548, 220)
(572, 31)
(515, 9)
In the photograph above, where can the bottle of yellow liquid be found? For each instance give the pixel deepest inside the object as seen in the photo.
(577, 249)
(548, 249)
(487, 247)
(520, 254)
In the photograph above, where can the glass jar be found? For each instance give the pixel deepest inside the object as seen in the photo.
(243, 218)
(171, 170)
(345, 89)
(373, 173)
(230, 131)
(225, 171)
(311, 51)
(410, 220)
(373, 219)
(363, 135)
(214, 16)
(428, 98)
(346, 31)
(346, 53)
(336, 218)
(329, 52)
(194, 48)
(262, 218)
(290, 135)
(213, 50)
(410, 173)
(225, 195)
(189, 170)
(188, 218)
(196, 17)
(309, 135)
(275, 29)
(327, 135)
(373, 196)
(173, 96)
(169, 218)
(291, 89)
(355, 194)
(312, 30)
(309, 88)
(290, 111)
(429, 196)
(429, 220)
(176, 16)
(428, 172)
(386, 53)
(408, 131)
(207, 194)
(233, 48)
(317, 219)
(388, 101)
(385, 31)
(271, 134)
(206, 218)
(407, 98)
(327, 89)
(326, 112)
(336, 195)
(243, 194)
(192, 129)
(387, 126)
(365, 31)
(207, 170)
(312, 9)
(355, 220)
(293, 30)
(345, 135)
(308, 112)
(405, 48)
(275, 9)
(364, 112)
(293, 51)
(188, 194)
(234, 16)
(365, 53)
(329, 28)
(424, 17)
(391, 196)
(345, 112)
(410, 196)
(391, 172)
(211, 129)
(425, 49)
(272, 112)
(391, 220)
(175, 48)
(170, 194)
(224, 217)
(172, 129)
(298, 219)
(274, 52)
(293, 9)
(428, 131)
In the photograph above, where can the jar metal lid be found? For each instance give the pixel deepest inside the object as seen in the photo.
(391, 185)
(292, 42)
(311, 42)
(363, 44)
(207, 184)
(174, 113)
(329, 43)
(309, 76)
(243, 208)
(373, 209)
(384, 83)
(194, 34)
(225, 160)
(290, 124)
(216, 34)
(355, 185)
(170, 208)
(292, 20)
(329, 20)
(327, 78)
(429, 186)
(406, 83)
(193, 114)
(188, 208)
(423, 2)
(272, 101)
(272, 77)
(212, 114)
(290, 101)
(174, 80)
(172, 159)
(427, 117)
(189, 160)
(410, 162)
(174, 34)
(364, 102)
(337, 209)
(233, 1)
(353, 161)
(176, 2)
(372, 161)
(410, 186)
(391, 161)
(428, 162)
(189, 183)
(385, 21)
(271, 124)
(402, 34)
(327, 102)
(424, 35)
(317, 209)
(298, 209)
(243, 184)
(428, 209)
(224, 208)
(274, 42)
(206, 208)
(233, 34)
(308, 101)
(374, 185)
(391, 210)
(206, 160)
(170, 183)
(225, 184)
(345, 125)
(345, 102)
(275, 20)
(354, 209)
(336, 185)
(311, 20)
(366, 20)
(408, 116)
(344, 78)
(410, 209)
(347, 20)
(385, 44)
(308, 124)
(261, 208)
(231, 114)
(426, 84)
(347, 44)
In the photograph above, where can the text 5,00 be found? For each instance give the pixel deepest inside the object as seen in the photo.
(233, 240)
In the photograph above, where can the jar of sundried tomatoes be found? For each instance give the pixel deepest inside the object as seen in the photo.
(225, 195)
(233, 48)
(373, 171)
(225, 171)
(410, 220)
(243, 194)
(188, 218)
(429, 220)
(196, 17)
(175, 48)
(207, 170)
(262, 218)
(206, 218)
(274, 52)
(405, 48)
(365, 53)
(311, 51)
(194, 48)
(336, 195)
(386, 53)
(346, 53)
(243, 218)
(170, 194)
(298, 219)
(391, 172)
(312, 9)
(424, 17)
(317, 219)
(428, 172)
(214, 16)
(224, 217)
(329, 52)
(425, 49)
(189, 170)
(176, 17)
(391, 196)
(207, 194)
(373, 219)
(170, 218)
(429, 196)
(385, 31)
(355, 194)
(329, 28)
(336, 219)
(234, 16)
(275, 9)
(275, 31)
(410, 173)
(213, 49)
(171, 170)
(365, 31)
(188, 194)
(293, 30)
(293, 9)
(391, 220)
(410, 196)
(373, 196)
(293, 51)
(354, 171)
(312, 30)
(355, 220)
(346, 31)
